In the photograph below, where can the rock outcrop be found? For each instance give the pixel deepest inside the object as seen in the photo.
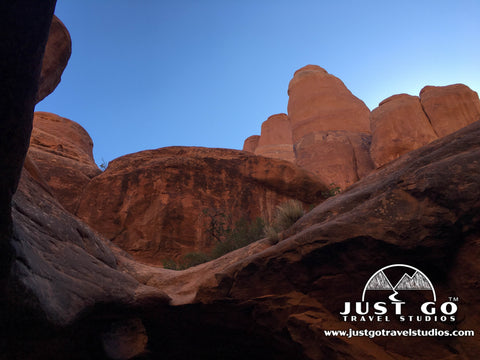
(402, 123)
(409, 212)
(61, 262)
(62, 272)
(398, 125)
(163, 203)
(276, 138)
(339, 158)
(319, 101)
(57, 54)
(62, 151)
(335, 136)
(67, 292)
(251, 143)
(450, 108)
(330, 127)
(327, 125)
(277, 299)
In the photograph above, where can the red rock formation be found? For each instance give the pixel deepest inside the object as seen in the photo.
(62, 261)
(62, 151)
(277, 299)
(450, 108)
(153, 203)
(330, 127)
(57, 54)
(251, 143)
(276, 138)
(319, 101)
(70, 291)
(399, 125)
(284, 295)
(339, 158)
(409, 212)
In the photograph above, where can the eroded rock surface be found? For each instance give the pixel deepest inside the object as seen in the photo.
(62, 151)
(160, 204)
(319, 101)
(339, 158)
(72, 294)
(251, 143)
(409, 213)
(399, 125)
(276, 138)
(57, 54)
(60, 262)
(450, 108)
(327, 125)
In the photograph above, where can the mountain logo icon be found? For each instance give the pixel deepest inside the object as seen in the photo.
(417, 281)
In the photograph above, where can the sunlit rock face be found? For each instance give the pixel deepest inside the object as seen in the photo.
(330, 127)
(276, 138)
(399, 125)
(450, 108)
(335, 136)
(251, 143)
(319, 101)
(402, 123)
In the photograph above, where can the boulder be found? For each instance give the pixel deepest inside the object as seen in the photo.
(161, 204)
(251, 143)
(276, 138)
(57, 54)
(398, 125)
(62, 151)
(450, 108)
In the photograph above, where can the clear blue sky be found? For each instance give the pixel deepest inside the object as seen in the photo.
(152, 73)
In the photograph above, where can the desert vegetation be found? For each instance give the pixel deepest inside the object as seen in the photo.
(244, 232)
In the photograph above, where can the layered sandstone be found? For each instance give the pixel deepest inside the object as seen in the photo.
(276, 138)
(62, 151)
(398, 125)
(160, 204)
